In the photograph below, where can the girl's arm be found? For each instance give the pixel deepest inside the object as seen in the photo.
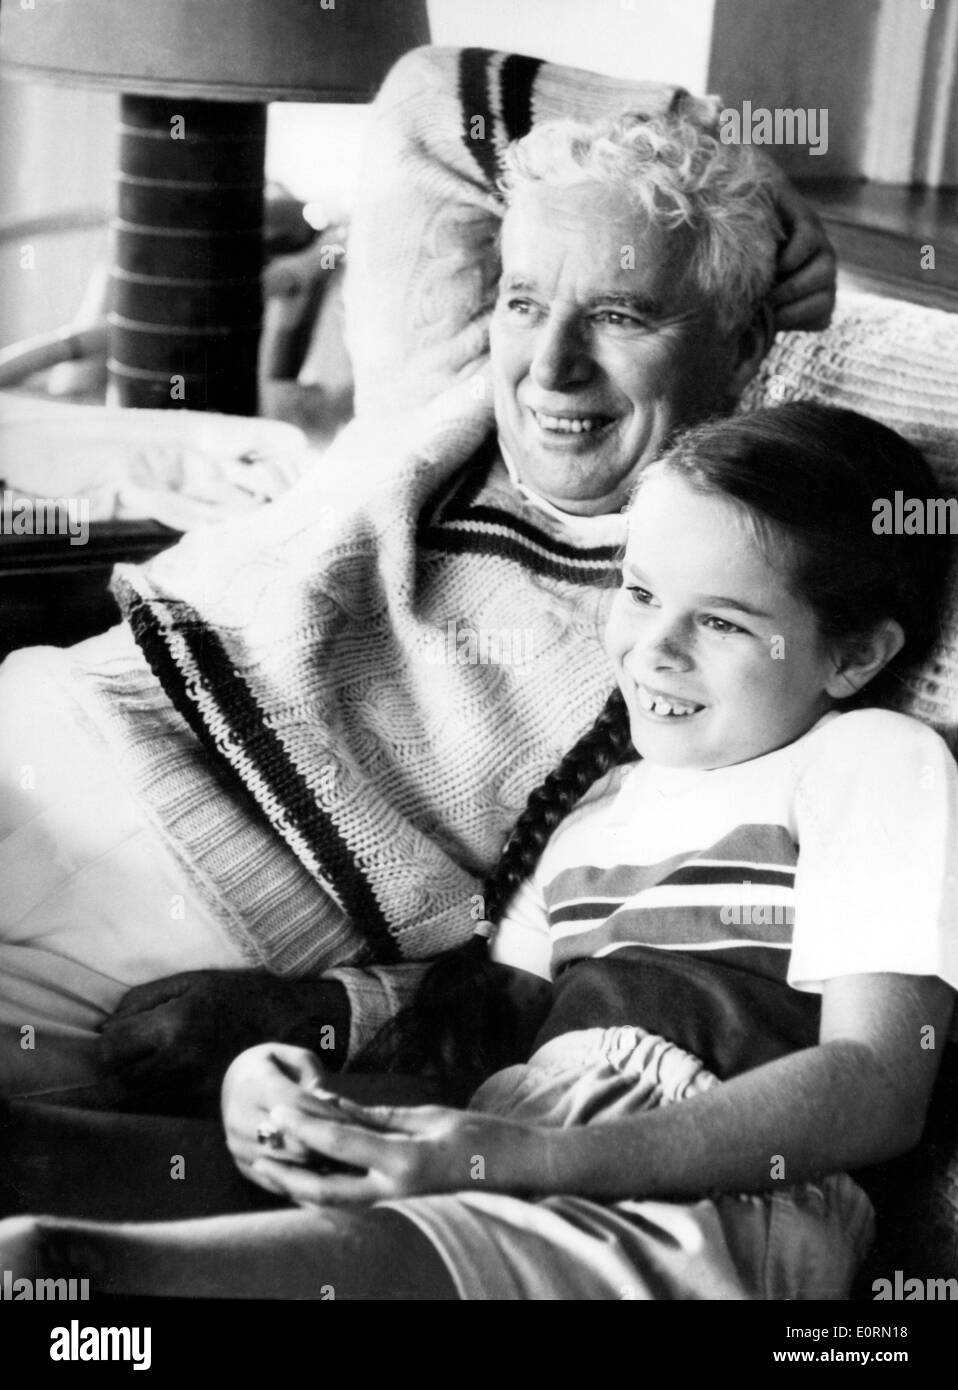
(857, 1098)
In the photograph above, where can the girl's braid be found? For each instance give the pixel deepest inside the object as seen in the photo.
(462, 1024)
(607, 744)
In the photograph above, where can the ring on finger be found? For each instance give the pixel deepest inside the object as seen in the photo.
(270, 1136)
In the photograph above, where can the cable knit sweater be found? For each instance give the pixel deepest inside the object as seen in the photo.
(381, 672)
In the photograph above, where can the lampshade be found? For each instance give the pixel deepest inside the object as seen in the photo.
(223, 50)
(187, 233)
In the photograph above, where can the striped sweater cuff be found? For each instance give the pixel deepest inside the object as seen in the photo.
(376, 994)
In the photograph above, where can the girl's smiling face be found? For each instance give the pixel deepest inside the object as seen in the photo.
(718, 660)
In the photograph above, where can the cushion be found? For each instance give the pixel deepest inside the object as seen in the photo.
(898, 363)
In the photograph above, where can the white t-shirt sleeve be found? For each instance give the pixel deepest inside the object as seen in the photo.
(876, 888)
(522, 937)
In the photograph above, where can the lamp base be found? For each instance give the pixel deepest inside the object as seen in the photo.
(186, 302)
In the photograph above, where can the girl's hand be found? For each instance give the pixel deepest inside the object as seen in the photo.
(273, 1074)
(429, 1148)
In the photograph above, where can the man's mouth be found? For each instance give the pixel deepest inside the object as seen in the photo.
(570, 424)
(665, 706)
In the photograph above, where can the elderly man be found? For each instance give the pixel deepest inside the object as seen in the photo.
(333, 713)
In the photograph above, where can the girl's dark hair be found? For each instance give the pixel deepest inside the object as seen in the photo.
(810, 475)
(807, 473)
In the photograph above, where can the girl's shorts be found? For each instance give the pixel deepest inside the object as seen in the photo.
(803, 1242)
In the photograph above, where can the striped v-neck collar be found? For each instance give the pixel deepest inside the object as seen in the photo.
(483, 512)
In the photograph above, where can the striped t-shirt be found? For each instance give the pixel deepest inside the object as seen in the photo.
(711, 906)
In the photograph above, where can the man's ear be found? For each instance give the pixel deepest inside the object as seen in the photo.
(749, 347)
(861, 659)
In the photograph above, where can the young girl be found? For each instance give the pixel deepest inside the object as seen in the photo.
(731, 960)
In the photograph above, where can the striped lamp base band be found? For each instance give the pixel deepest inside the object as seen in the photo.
(186, 305)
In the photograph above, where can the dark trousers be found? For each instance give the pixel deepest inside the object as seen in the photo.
(105, 1166)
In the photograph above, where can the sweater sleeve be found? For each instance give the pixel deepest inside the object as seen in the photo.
(376, 994)
(876, 889)
(522, 938)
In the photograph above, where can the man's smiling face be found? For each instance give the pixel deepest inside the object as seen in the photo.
(595, 362)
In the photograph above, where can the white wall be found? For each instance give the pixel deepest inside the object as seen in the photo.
(654, 40)
(56, 154)
(315, 150)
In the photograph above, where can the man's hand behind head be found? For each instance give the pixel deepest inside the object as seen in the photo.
(804, 293)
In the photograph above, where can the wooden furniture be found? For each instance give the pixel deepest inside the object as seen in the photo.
(892, 239)
(55, 593)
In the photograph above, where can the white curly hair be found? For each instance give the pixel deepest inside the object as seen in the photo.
(677, 173)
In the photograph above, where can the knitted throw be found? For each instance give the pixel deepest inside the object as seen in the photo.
(385, 676)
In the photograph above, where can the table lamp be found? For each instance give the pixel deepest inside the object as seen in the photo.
(187, 230)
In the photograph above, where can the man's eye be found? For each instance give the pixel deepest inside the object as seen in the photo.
(720, 625)
(519, 307)
(615, 318)
(638, 595)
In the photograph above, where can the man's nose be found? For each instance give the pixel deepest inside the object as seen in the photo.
(561, 357)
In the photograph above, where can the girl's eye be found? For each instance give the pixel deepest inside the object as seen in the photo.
(720, 625)
(520, 307)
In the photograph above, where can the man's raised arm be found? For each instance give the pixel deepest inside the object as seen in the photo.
(170, 1041)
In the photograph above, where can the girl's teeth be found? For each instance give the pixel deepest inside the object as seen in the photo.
(656, 705)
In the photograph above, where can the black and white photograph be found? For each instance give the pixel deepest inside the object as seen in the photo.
(479, 668)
